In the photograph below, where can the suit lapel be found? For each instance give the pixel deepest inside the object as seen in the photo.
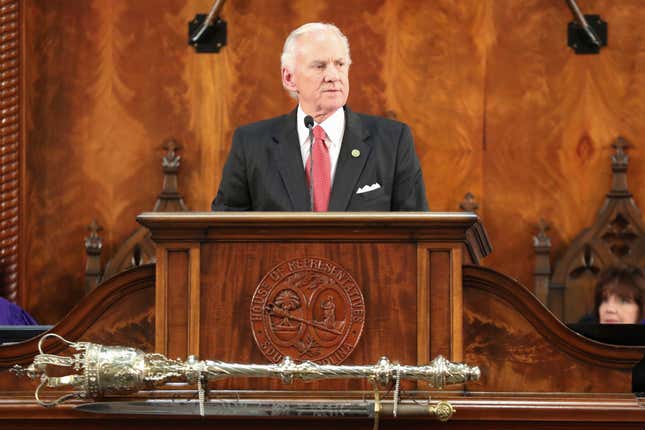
(349, 167)
(289, 160)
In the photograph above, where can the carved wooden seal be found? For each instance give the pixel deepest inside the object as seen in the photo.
(309, 309)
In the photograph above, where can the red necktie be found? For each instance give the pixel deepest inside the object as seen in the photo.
(322, 170)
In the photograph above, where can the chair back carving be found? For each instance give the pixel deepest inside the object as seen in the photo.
(138, 249)
(468, 204)
(616, 237)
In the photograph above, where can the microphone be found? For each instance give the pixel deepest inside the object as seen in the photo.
(309, 123)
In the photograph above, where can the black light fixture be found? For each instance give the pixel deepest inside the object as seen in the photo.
(587, 33)
(207, 33)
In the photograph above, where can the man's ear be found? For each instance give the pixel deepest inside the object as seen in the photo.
(288, 80)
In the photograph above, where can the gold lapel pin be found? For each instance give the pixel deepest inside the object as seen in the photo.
(356, 153)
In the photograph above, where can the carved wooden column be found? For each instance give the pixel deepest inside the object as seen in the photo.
(177, 298)
(439, 301)
(10, 147)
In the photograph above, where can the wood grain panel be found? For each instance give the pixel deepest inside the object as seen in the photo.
(498, 105)
(177, 293)
(111, 100)
(520, 346)
(551, 117)
(434, 82)
(61, 80)
(385, 277)
(514, 357)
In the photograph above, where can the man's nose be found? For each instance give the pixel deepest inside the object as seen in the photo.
(331, 74)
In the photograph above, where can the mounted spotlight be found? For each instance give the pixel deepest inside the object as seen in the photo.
(588, 33)
(207, 33)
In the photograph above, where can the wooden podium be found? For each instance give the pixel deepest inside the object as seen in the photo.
(408, 267)
(222, 281)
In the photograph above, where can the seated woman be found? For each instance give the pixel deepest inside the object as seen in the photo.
(12, 314)
(620, 295)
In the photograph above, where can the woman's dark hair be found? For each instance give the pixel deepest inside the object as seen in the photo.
(626, 282)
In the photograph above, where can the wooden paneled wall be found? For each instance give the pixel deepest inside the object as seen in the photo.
(498, 104)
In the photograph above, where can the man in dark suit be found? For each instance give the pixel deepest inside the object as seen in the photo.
(360, 162)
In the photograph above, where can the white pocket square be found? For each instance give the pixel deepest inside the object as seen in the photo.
(367, 188)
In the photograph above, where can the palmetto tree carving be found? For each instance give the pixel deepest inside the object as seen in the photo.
(287, 300)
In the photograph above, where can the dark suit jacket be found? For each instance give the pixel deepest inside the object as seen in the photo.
(264, 170)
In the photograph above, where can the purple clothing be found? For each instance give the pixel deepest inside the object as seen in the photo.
(12, 314)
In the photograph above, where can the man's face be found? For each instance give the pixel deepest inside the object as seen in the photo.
(321, 74)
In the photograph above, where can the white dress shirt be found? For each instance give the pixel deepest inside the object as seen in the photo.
(334, 127)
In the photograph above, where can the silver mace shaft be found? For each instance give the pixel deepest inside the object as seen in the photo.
(439, 373)
(106, 370)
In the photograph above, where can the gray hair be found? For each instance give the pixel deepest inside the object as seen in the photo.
(288, 57)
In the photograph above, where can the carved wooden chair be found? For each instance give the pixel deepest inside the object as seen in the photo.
(138, 249)
(616, 237)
